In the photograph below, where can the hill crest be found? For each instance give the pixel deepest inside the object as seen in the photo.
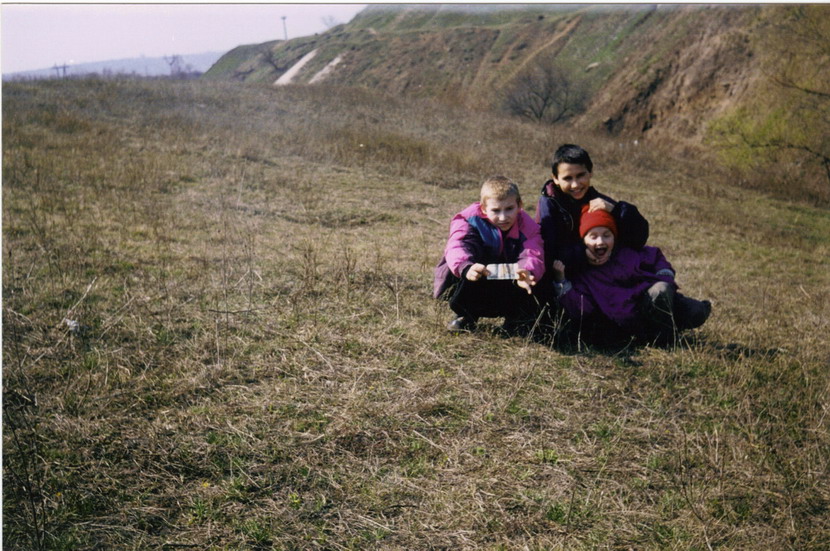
(649, 72)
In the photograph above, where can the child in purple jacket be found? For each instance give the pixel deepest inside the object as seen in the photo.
(624, 292)
(493, 234)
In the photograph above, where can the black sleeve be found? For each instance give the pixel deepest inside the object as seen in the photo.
(474, 247)
(573, 256)
(547, 227)
(632, 226)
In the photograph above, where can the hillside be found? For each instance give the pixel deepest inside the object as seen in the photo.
(651, 73)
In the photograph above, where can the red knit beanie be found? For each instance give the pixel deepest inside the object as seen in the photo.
(596, 218)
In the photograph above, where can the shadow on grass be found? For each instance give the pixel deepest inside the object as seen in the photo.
(735, 351)
(569, 342)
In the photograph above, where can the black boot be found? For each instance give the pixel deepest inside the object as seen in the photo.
(462, 324)
(690, 313)
(517, 327)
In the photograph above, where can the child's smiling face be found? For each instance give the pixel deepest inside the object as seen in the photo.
(502, 213)
(573, 180)
(600, 241)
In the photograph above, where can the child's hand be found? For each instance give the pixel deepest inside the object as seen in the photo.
(477, 271)
(526, 280)
(558, 271)
(600, 204)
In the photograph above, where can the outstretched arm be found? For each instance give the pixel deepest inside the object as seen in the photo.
(653, 260)
(532, 257)
(600, 204)
(458, 251)
(575, 303)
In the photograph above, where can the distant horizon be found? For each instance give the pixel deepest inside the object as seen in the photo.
(125, 65)
(36, 37)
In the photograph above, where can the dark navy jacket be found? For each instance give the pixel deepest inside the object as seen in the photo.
(558, 215)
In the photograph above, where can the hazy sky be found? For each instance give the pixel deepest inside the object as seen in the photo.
(38, 36)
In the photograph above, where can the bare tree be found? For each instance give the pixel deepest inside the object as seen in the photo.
(176, 64)
(544, 93)
(799, 42)
(269, 57)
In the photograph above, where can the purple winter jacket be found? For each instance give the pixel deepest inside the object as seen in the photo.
(615, 289)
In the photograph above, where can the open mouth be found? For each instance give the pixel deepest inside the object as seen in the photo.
(600, 251)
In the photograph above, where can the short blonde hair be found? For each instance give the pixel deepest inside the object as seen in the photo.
(499, 188)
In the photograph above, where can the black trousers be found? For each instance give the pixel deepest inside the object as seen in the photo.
(493, 299)
(663, 312)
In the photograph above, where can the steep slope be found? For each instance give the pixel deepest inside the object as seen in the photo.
(651, 73)
(689, 67)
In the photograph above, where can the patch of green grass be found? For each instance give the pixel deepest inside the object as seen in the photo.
(258, 532)
(548, 456)
(201, 511)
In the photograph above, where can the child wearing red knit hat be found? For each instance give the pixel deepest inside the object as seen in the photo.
(623, 292)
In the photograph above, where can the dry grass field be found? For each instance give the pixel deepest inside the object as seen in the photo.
(218, 333)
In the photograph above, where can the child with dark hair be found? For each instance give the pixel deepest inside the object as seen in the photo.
(563, 198)
(492, 260)
(623, 292)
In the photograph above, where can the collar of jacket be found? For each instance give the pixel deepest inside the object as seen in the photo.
(551, 190)
(492, 236)
(569, 208)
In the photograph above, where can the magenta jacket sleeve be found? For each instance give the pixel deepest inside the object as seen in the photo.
(532, 257)
(457, 254)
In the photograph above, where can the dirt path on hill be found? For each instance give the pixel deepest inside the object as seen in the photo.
(289, 75)
(482, 79)
(558, 37)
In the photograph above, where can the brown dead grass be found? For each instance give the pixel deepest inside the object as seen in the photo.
(259, 364)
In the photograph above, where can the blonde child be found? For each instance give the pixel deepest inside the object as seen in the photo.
(494, 231)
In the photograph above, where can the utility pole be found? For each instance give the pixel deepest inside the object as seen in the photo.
(60, 68)
(284, 28)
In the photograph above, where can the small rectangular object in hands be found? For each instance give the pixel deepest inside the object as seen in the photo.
(503, 271)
